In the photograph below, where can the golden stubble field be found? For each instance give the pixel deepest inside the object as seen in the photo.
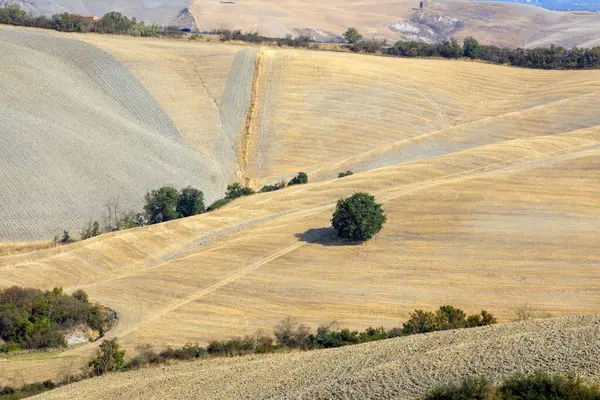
(488, 175)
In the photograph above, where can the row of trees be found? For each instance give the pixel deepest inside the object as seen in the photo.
(288, 334)
(112, 23)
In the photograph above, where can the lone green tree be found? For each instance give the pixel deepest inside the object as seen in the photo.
(352, 36)
(190, 202)
(358, 217)
(109, 357)
(161, 205)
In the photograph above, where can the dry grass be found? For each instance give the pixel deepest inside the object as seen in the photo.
(392, 369)
(24, 247)
(488, 176)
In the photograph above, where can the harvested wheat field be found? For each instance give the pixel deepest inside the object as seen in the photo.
(488, 176)
(391, 369)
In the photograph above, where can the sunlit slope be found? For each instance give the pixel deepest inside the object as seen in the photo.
(79, 131)
(204, 88)
(397, 368)
(494, 228)
(324, 112)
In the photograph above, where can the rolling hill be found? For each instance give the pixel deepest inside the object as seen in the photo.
(488, 176)
(392, 369)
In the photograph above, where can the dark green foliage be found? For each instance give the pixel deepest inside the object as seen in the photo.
(91, 230)
(368, 46)
(471, 47)
(352, 36)
(468, 389)
(31, 389)
(482, 319)
(235, 190)
(358, 217)
(33, 319)
(190, 202)
(274, 187)
(446, 317)
(344, 174)
(109, 358)
(299, 179)
(544, 386)
(252, 37)
(66, 238)
(536, 386)
(420, 322)
(449, 317)
(240, 346)
(218, 204)
(161, 205)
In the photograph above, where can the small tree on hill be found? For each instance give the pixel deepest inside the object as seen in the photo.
(109, 357)
(190, 202)
(358, 217)
(299, 179)
(352, 36)
(161, 205)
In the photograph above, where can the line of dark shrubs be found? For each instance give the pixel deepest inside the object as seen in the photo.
(12, 393)
(538, 385)
(289, 334)
(34, 319)
(111, 23)
(252, 37)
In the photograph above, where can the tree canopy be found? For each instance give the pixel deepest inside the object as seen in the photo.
(358, 217)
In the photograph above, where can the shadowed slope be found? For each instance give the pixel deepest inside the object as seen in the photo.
(79, 131)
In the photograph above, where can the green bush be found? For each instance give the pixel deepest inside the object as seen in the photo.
(274, 187)
(289, 333)
(218, 204)
(299, 179)
(544, 386)
(352, 36)
(235, 190)
(109, 357)
(34, 319)
(344, 174)
(467, 389)
(358, 217)
(190, 202)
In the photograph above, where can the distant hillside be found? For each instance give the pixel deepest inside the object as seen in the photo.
(561, 5)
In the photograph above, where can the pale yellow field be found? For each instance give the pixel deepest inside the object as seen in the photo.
(488, 175)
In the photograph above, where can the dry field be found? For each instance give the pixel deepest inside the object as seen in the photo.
(488, 175)
(392, 369)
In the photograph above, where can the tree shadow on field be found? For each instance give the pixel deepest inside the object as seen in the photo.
(324, 237)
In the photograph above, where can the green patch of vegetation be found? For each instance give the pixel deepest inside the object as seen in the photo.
(344, 174)
(112, 23)
(300, 179)
(274, 187)
(235, 191)
(34, 319)
(536, 386)
(358, 218)
(11, 393)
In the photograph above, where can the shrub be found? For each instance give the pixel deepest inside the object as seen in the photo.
(421, 322)
(358, 217)
(352, 36)
(289, 333)
(450, 318)
(344, 174)
(471, 48)
(467, 389)
(161, 205)
(370, 46)
(235, 190)
(218, 204)
(299, 179)
(108, 358)
(543, 386)
(274, 187)
(482, 319)
(190, 202)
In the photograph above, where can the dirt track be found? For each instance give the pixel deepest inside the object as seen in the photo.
(392, 369)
